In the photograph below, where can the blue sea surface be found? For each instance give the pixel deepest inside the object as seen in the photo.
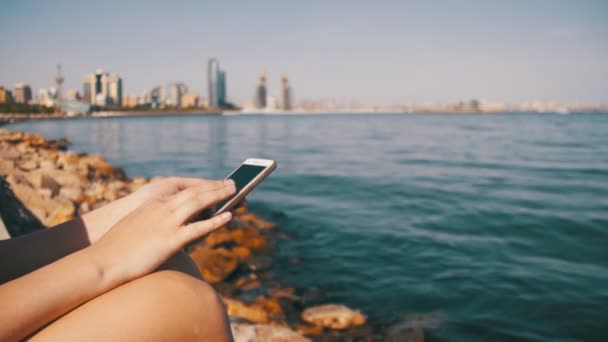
(498, 224)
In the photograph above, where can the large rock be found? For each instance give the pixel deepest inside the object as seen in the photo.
(49, 211)
(18, 219)
(214, 264)
(265, 333)
(333, 316)
(252, 313)
(94, 165)
(255, 220)
(41, 180)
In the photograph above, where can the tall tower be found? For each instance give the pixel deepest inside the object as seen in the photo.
(260, 96)
(59, 81)
(221, 89)
(286, 94)
(213, 68)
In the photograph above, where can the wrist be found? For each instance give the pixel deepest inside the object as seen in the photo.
(106, 269)
(100, 220)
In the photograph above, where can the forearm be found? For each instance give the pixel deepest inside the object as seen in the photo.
(98, 221)
(33, 300)
(30, 252)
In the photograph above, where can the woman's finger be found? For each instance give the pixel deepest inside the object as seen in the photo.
(184, 182)
(201, 200)
(196, 230)
(184, 196)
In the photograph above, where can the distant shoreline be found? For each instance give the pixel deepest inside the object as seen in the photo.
(7, 118)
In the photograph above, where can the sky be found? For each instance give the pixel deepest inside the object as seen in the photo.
(372, 52)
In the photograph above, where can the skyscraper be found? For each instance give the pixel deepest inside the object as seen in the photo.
(216, 83)
(22, 93)
(286, 94)
(5, 95)
(103, 89)
(260, 94)
(221, 89)
(114, 90)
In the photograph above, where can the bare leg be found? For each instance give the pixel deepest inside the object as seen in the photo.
(162, 306)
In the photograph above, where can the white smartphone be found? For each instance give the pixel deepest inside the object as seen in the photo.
(246, 177)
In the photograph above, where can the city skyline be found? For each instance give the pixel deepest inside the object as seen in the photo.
(372, 53)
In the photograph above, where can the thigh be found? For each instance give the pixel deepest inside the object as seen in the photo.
(165, 305)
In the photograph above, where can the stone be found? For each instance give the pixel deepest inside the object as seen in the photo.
(251, 313)
(18, 218)
(259, 263)
(272, 307)
(27, 165)
(333, 316)
(283, 292)
(44, 181)
(74, 193)
(47, 165)
(116, 185)
(256, 221)
(66, 178)
(307, 329)
(7, 166)
(49, 211)
(243, 253)
(9, 154)
(249, 237)
(215, 265)
(219, 237)
(264, 333)
(110, 195)
(248, 284)
(46, 193)
(68, 161)
(94, 165)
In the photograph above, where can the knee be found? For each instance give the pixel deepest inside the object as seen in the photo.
(177, 287)
(188, 302)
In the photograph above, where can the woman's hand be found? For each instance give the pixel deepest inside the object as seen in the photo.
(155, 231)
(100, 220)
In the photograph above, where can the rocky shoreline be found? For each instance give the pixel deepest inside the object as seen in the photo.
(42, 184)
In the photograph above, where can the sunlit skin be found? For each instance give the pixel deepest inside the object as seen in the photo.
(117, 273)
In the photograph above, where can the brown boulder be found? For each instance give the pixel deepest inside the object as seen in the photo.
(27, 165)
(74, 193)
(256, 221)
(214, 264)
(252, 313)
(94, 165)
(40, 180)
(248, 236)
(68, 161)
(333, 316)
(264, 333)
(49, 211)
(306, 329)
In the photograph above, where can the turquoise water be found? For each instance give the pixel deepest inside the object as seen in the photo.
(497, 224)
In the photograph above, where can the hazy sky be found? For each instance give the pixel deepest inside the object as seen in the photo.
(371, 51)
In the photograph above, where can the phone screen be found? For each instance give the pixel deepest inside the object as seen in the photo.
(241, 177)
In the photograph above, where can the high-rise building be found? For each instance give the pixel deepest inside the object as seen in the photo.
(260, 93)
(72, 95)
(5, 95)
(216, 83)
(22, 93)
(286, 94)
(114, 90)
(45, 97)
(221, 89)
(103, 89)
(189, 100)
(130, 101)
